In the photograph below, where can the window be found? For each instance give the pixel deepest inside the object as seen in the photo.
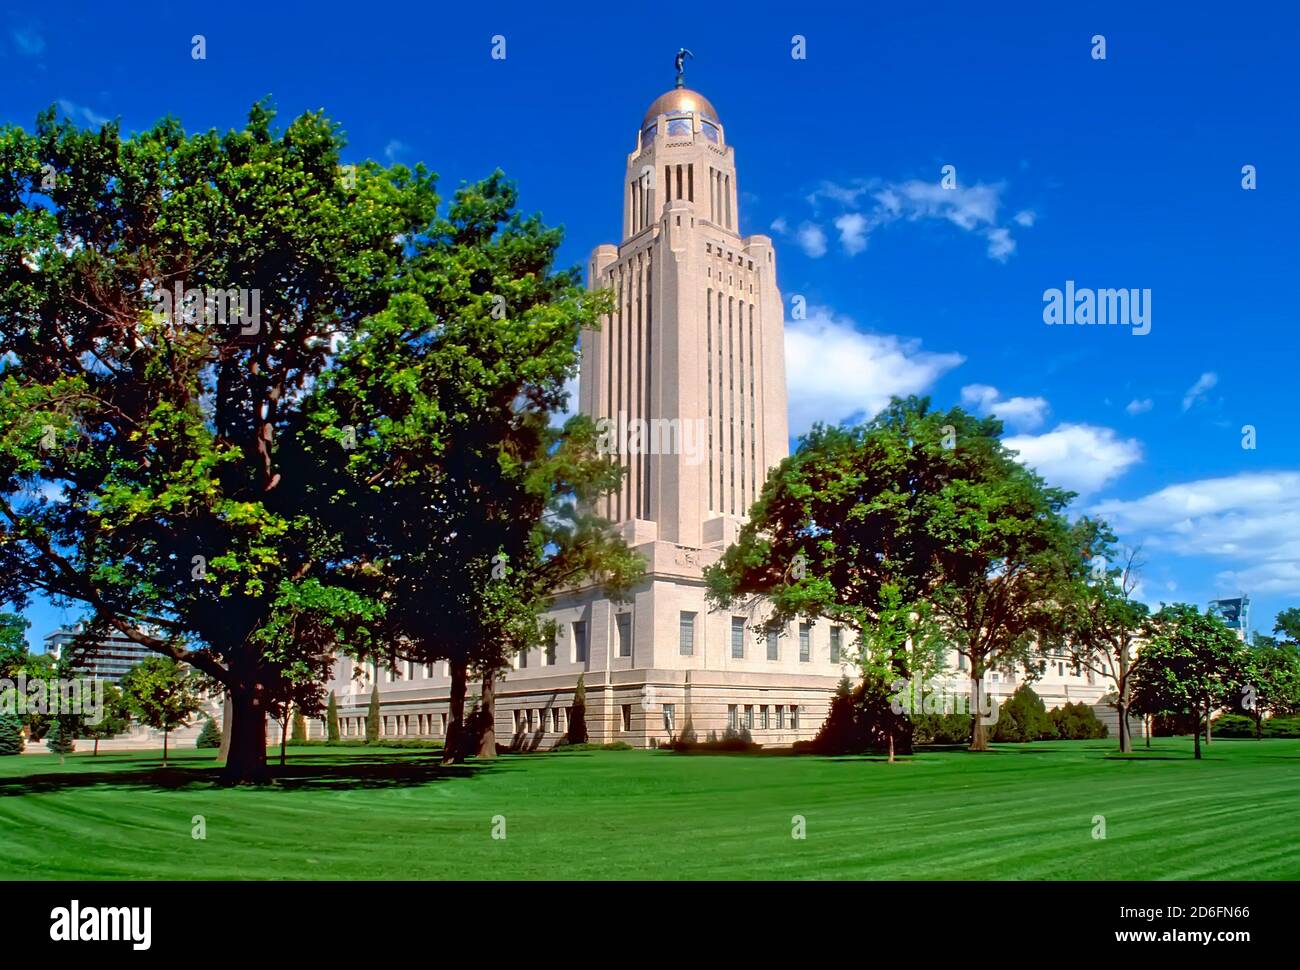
(773, 647)
(680, 125)
(794, 716)
(648, 137)
(627, 717)
(731, 716)
(737, 637)
(780, 717)
(388, 675)
(763, 722)
(580, 641)
(686, 634)
(548, 655)
(835, 644)
(961, 661)
(749, 717)
(523, 659)
(805, 642)
(670, 717)
(443, 725)
(624, 623)
(428, 671)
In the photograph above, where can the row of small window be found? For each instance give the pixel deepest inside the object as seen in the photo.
(769, 719)
(1062, 667)
(397, 726)
(547, 719)
(739, 635)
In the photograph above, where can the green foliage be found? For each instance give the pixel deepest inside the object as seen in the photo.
(1023, 717)
(14, 652)
(61, 737)
(11, 735)
(950, 728)
(161, 693)
(918, 528)
(210, 736)
(578, 715)
(1240, 726)
(1077, 722)
(332, 720)
(862, 719)
(299, 726)
(115, 719)
(372, 717)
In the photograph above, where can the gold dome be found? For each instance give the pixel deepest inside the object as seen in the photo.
(680, 99)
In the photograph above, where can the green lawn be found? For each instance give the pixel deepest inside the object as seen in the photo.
(1022, 811)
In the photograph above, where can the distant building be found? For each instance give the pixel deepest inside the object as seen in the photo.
(108, 660)
(1234, 612)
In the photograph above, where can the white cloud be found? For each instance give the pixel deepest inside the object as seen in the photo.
(79, 112)
(1139, 405)
(835, 372)
(1001, 245)
(972, 209)
(1019, 412)
(1251, 520)
(779, 225)
(812, 240)
(853, 232)
(1080, 457)
(1197, 390)
(395, 149)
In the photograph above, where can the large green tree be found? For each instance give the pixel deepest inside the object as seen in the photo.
(166, 301)
(1190, 664)
(440, 467)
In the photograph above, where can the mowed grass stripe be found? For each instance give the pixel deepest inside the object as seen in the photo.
(1020, 812)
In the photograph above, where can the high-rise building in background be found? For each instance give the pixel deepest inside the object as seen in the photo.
(107, 659)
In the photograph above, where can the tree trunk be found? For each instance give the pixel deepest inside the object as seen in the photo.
(451, 752)
(166, 733)
(487, 745)
(1125, 733)
(284, 738)
(891, 745)
(1196, 730)
(1208, 732)
(224, 752)
(978, 736)
(96, 754)
(1259, 723)
(246, 760)
(1147, 721)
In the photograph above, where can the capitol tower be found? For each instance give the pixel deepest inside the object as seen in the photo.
(688, 369)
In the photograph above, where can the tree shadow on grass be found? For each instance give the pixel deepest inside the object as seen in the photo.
(302, 773)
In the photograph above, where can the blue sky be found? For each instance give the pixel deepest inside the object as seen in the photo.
(1123, 172)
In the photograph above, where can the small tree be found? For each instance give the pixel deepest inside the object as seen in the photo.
(162, 694)
(578, 716)
(114, 719)
(60, 737)
(332, 720)
(210, 736)
(1191, 664)
(372, 717)
(299, 725)
(11, 735)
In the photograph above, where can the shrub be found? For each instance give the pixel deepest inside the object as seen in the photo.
(372, 717)
(299, 730)
(11, 735)
(210, 736)
(1240, 726)
(1077, 722)
(332, 720)
(578, 715)
(1023, 717)
(953, 728)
